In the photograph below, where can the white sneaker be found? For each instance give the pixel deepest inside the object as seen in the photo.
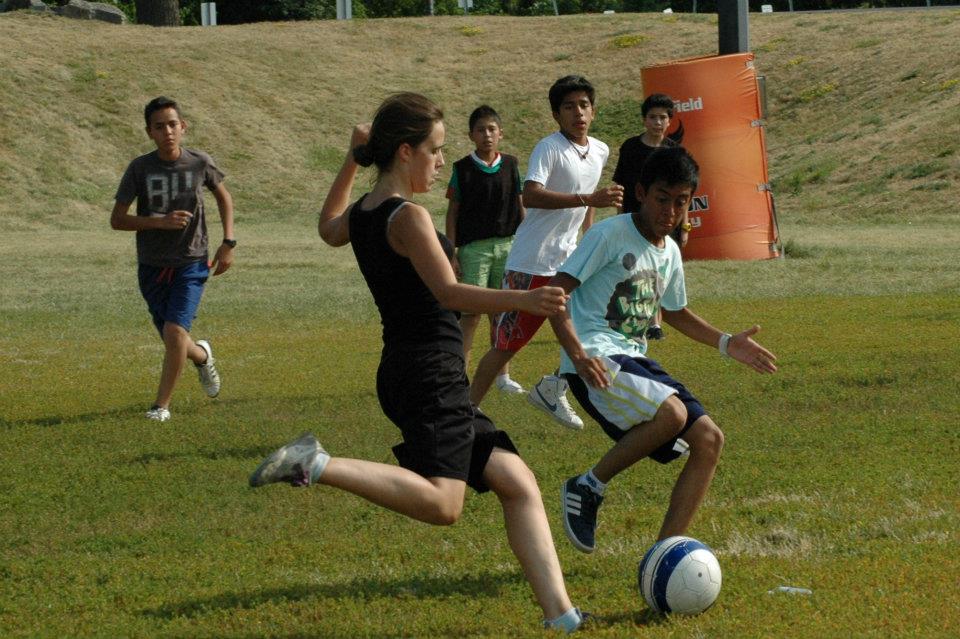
(209, 377)
(508, 386)
(296, 464)
(549, 395)
(158, 414)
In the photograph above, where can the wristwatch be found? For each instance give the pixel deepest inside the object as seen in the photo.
(686, 226)
(230, 243)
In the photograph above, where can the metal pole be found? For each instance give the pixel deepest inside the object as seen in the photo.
(732, 26)
(208, 14)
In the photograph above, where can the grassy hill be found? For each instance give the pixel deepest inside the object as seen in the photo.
(864, 107)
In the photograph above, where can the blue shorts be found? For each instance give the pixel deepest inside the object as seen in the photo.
(648, 369)
(173, 294)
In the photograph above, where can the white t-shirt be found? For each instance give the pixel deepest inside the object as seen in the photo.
(623, 279)
(547, 237)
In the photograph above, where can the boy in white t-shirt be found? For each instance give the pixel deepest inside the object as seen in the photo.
(560, 194)
(625, 269)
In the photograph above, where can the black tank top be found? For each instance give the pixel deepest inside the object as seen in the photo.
(412, 318)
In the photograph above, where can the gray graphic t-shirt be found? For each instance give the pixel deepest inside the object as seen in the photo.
(160, 187)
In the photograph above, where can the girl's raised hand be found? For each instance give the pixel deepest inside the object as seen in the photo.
(360, 135)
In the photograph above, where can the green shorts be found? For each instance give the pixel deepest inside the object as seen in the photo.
(482, 261)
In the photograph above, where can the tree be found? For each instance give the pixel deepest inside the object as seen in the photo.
(159, 13)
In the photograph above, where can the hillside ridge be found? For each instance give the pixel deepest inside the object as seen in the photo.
(864, 108)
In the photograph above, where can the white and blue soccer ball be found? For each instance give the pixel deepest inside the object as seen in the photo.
(679, 575)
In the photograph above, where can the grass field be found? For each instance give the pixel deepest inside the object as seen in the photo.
(840, 472)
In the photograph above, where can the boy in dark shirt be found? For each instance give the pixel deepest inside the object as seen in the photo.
(657, 111)
(172, 242)
(484, 212)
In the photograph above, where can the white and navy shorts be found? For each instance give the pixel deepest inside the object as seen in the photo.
(638, 387)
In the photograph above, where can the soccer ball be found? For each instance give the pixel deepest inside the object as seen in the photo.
(679, 575)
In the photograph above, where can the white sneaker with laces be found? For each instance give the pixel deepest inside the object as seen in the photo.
(549, 395)
(209, 377)
(299, 463)
(508, 386)
(158, 414)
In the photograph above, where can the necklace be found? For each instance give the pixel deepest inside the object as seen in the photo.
(576, 149)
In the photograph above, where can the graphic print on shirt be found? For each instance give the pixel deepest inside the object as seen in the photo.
(634, 302)
(164, 191)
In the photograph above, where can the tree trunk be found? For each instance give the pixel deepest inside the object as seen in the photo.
(158, 13)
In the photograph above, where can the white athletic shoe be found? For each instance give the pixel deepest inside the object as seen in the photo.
(158, 414)
(549, 395)
(508, 386)
(295, 464)
(209, 377)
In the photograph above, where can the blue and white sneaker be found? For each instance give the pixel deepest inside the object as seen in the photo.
(580, 506)
(550, 396)
(299, 463)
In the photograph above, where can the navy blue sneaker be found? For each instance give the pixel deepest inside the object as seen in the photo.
(580, 505)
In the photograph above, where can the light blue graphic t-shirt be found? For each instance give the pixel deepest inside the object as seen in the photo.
(623, 280)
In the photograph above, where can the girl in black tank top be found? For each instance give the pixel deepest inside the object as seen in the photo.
(447, 443)
(412, 317)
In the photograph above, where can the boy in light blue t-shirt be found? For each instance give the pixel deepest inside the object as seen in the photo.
(623, 271)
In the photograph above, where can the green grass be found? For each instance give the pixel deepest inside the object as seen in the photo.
(829, 481)
(627, 41)
(839, 472)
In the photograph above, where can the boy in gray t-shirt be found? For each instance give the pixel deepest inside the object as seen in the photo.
(172, 242)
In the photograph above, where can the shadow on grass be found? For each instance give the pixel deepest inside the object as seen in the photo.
(83, 418)
(482, 585)
(645, 617)
(323, 633)
(137, 412)
(252, 452)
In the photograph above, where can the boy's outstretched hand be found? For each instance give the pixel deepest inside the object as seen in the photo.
(545, 301)
(223, 260)
(746, 351)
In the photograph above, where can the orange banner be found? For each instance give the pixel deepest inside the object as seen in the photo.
(717, 108)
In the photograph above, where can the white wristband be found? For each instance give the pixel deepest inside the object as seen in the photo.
(722, 345)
